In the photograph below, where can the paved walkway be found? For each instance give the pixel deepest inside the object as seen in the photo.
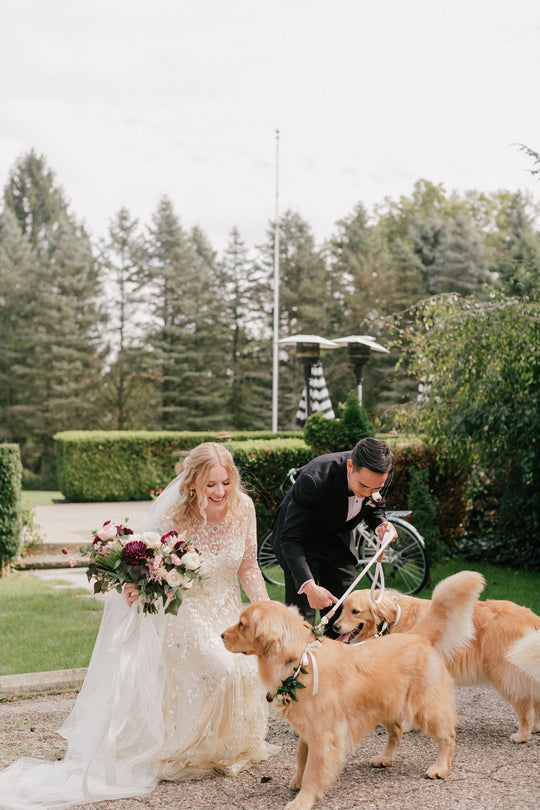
(69, 525)
(489, 771)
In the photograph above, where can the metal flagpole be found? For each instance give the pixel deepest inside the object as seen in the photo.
(276, 299)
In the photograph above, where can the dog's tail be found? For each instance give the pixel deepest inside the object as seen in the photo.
(525, 655)
(449, 622)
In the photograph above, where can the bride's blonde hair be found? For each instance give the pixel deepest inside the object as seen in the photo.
(192, 501)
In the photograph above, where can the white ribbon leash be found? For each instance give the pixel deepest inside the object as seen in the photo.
(304, 661)
(379, 575)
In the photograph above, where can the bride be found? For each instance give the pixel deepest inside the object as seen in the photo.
(163, 698)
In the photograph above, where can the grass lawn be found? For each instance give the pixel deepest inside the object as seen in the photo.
(45, 628)
(520, 586)
(41, 497)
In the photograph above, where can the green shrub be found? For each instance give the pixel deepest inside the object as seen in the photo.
(10, 504)
(447, 483)
(424, 507)
(333, 435)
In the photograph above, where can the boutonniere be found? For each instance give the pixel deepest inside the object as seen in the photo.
(375, 499)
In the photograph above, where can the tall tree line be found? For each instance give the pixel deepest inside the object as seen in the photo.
(152, 328)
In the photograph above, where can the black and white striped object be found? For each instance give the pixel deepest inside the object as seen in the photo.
(319, 397)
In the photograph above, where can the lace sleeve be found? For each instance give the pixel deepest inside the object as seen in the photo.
(249, 573)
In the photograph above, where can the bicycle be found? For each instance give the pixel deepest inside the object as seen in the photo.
(405, 561)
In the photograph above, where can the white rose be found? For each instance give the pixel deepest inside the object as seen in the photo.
(152, 539)
(191, 560)
(174, 578)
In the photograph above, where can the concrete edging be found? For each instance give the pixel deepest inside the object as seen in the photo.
(41, 683)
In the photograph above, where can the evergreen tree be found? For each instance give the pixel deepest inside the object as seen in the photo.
(17, 268)
(59, 361)
(515, 244)
(459, 263)
(34, 197)
(240, 294)
(358, 269)
(126, 394)
(69, 326)
(182, 303)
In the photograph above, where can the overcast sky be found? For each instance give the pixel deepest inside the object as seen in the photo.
(132, 99)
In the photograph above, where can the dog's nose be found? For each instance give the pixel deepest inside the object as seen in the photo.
(336, 626)
(223, 634)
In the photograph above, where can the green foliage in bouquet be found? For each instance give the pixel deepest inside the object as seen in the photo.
(163, 567)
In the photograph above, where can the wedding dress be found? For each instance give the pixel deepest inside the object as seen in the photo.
(163, 698)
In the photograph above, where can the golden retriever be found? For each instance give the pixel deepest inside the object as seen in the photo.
(495, 655)
(333, 694)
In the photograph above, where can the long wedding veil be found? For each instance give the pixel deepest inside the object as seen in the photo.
(115, 731)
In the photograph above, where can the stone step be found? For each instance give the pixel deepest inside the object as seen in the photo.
(37, 561)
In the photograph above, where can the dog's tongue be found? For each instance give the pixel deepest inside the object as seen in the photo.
(345, 638)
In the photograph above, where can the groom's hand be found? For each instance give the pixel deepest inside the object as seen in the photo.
(317, 596)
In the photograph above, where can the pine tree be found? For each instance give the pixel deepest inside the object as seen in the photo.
(126, 393)
(17, 268)
(243, 316)
(182, 304)
(34, 197)
(69, 326)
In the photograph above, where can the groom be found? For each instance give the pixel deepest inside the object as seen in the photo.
(312, 533)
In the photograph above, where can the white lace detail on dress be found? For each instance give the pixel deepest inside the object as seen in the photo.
(163, 698)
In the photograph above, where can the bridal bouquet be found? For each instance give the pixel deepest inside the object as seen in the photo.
(163, 567)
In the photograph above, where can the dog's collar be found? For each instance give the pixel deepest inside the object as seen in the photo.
(385, 626)
(286, 691)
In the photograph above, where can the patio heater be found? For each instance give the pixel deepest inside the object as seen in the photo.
(307, 354)
(359, 348)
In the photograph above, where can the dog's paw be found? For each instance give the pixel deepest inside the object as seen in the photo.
(436, 772)
(381, 761)
(295, 783)
(300, 803)
(518, 737)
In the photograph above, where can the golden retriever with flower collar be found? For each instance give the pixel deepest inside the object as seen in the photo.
(333, 694)
(505, 650)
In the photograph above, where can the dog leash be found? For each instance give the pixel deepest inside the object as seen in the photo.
(379, 577)
(304, 661)
(385, 625)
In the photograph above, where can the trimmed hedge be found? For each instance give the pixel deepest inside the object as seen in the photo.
(10, 504)
(263, 465)
(126, 465)
(448, 486)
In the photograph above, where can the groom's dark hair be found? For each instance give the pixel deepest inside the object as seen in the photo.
(373, 454)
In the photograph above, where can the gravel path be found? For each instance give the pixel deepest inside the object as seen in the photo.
(489, 772)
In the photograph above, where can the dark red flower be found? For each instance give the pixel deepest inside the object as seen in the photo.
(135, 552)
(171, 534)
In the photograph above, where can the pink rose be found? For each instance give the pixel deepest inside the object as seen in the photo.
(107, 531)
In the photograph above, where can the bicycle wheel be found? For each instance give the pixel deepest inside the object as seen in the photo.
(405, 561)
(271, 569)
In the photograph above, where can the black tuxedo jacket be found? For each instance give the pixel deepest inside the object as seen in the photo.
(311, 522)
